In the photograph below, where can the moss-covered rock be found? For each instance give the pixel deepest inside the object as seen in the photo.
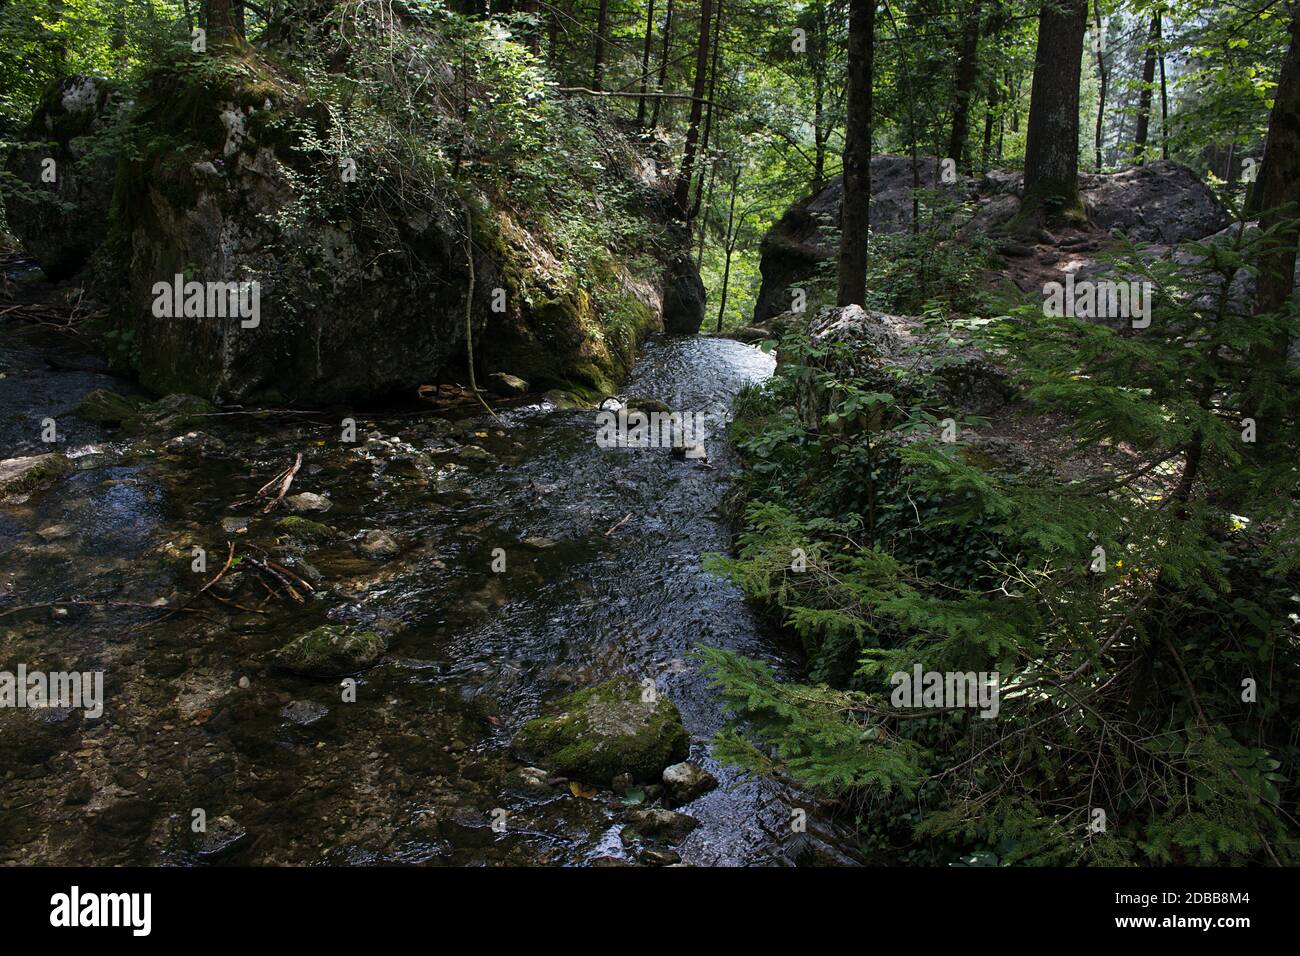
(176, 412)
(330, 650)
(304, 529)
(606, 730)
(18, 476)
(104, 407)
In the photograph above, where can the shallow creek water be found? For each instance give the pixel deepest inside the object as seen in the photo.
(413, 771)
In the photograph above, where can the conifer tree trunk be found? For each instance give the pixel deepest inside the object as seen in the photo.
(645, 61)
(663, 64)
(1148, 83)
(1102, 79)
(682, 194)
(967, 68)
(855, 205)
(1052, 145)
(602, 23)
(1278, 192)
(219, 20)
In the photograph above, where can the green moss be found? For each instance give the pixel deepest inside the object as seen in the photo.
(18, 476)
(305, 529)
(107, 408)
(330, 650)
(1049, 202)
(596, 734)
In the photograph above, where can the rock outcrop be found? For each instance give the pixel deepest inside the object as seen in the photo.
(66, 170)
(1162, 202)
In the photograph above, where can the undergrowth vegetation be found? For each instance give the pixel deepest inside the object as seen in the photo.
(1130, 578)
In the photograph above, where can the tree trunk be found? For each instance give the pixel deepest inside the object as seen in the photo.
(967, 69)
(645, 61)
(219, 20)
(1148, 83)
(820, 133)
(682, 194)
(855, 205)
(1164, 92)
(663, 64)
(1052, 145)
(1102, 79)
(602, 23)
(708, 116)
(1278, 191)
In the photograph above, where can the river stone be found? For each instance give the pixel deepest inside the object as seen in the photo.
(18, 476)
(223, 835)
(685, 781)
(104, 407)
(598, 733)
(330, 650)
(308, 502)
(379, 545)
(658, 822)
(304, 529)
(174, 413)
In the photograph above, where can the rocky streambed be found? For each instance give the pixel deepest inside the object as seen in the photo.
(351, 686)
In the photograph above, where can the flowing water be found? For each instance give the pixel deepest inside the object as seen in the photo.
(603, 576)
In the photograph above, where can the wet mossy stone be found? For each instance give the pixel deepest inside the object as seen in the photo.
(18, 476)
(304, 529)
(330, 650)
(596, 734)
(107, 408)
(176, 412)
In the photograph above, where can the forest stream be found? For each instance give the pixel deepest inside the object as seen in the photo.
(603, 577)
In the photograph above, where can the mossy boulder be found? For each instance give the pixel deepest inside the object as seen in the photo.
(176, 412)
(598, 733)
(64, 171)
(304, 529)
(330, 650)
(18, 476)
(104, 407)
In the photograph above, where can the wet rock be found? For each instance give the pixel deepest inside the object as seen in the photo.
(692, 450)
(304, 712)
(532, 778)
(308, 502)
(20, 476)
(685, 781)
(330, 650)
(54, 532)
(538, 543)
(195, 443)
(665, 824)
(104, 407)
(304, 529)
(475, 453)
(596, 734)
(505, 384)
(172, 413)
(223, 835)
(379, 545)
(639, 403)
(235, 525)
(657, 856)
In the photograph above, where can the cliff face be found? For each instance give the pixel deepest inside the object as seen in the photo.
(270, 239)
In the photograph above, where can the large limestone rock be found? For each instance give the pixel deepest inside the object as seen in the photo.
(1161, 202)
(805, 236)
(604, 731)
(63, 222)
